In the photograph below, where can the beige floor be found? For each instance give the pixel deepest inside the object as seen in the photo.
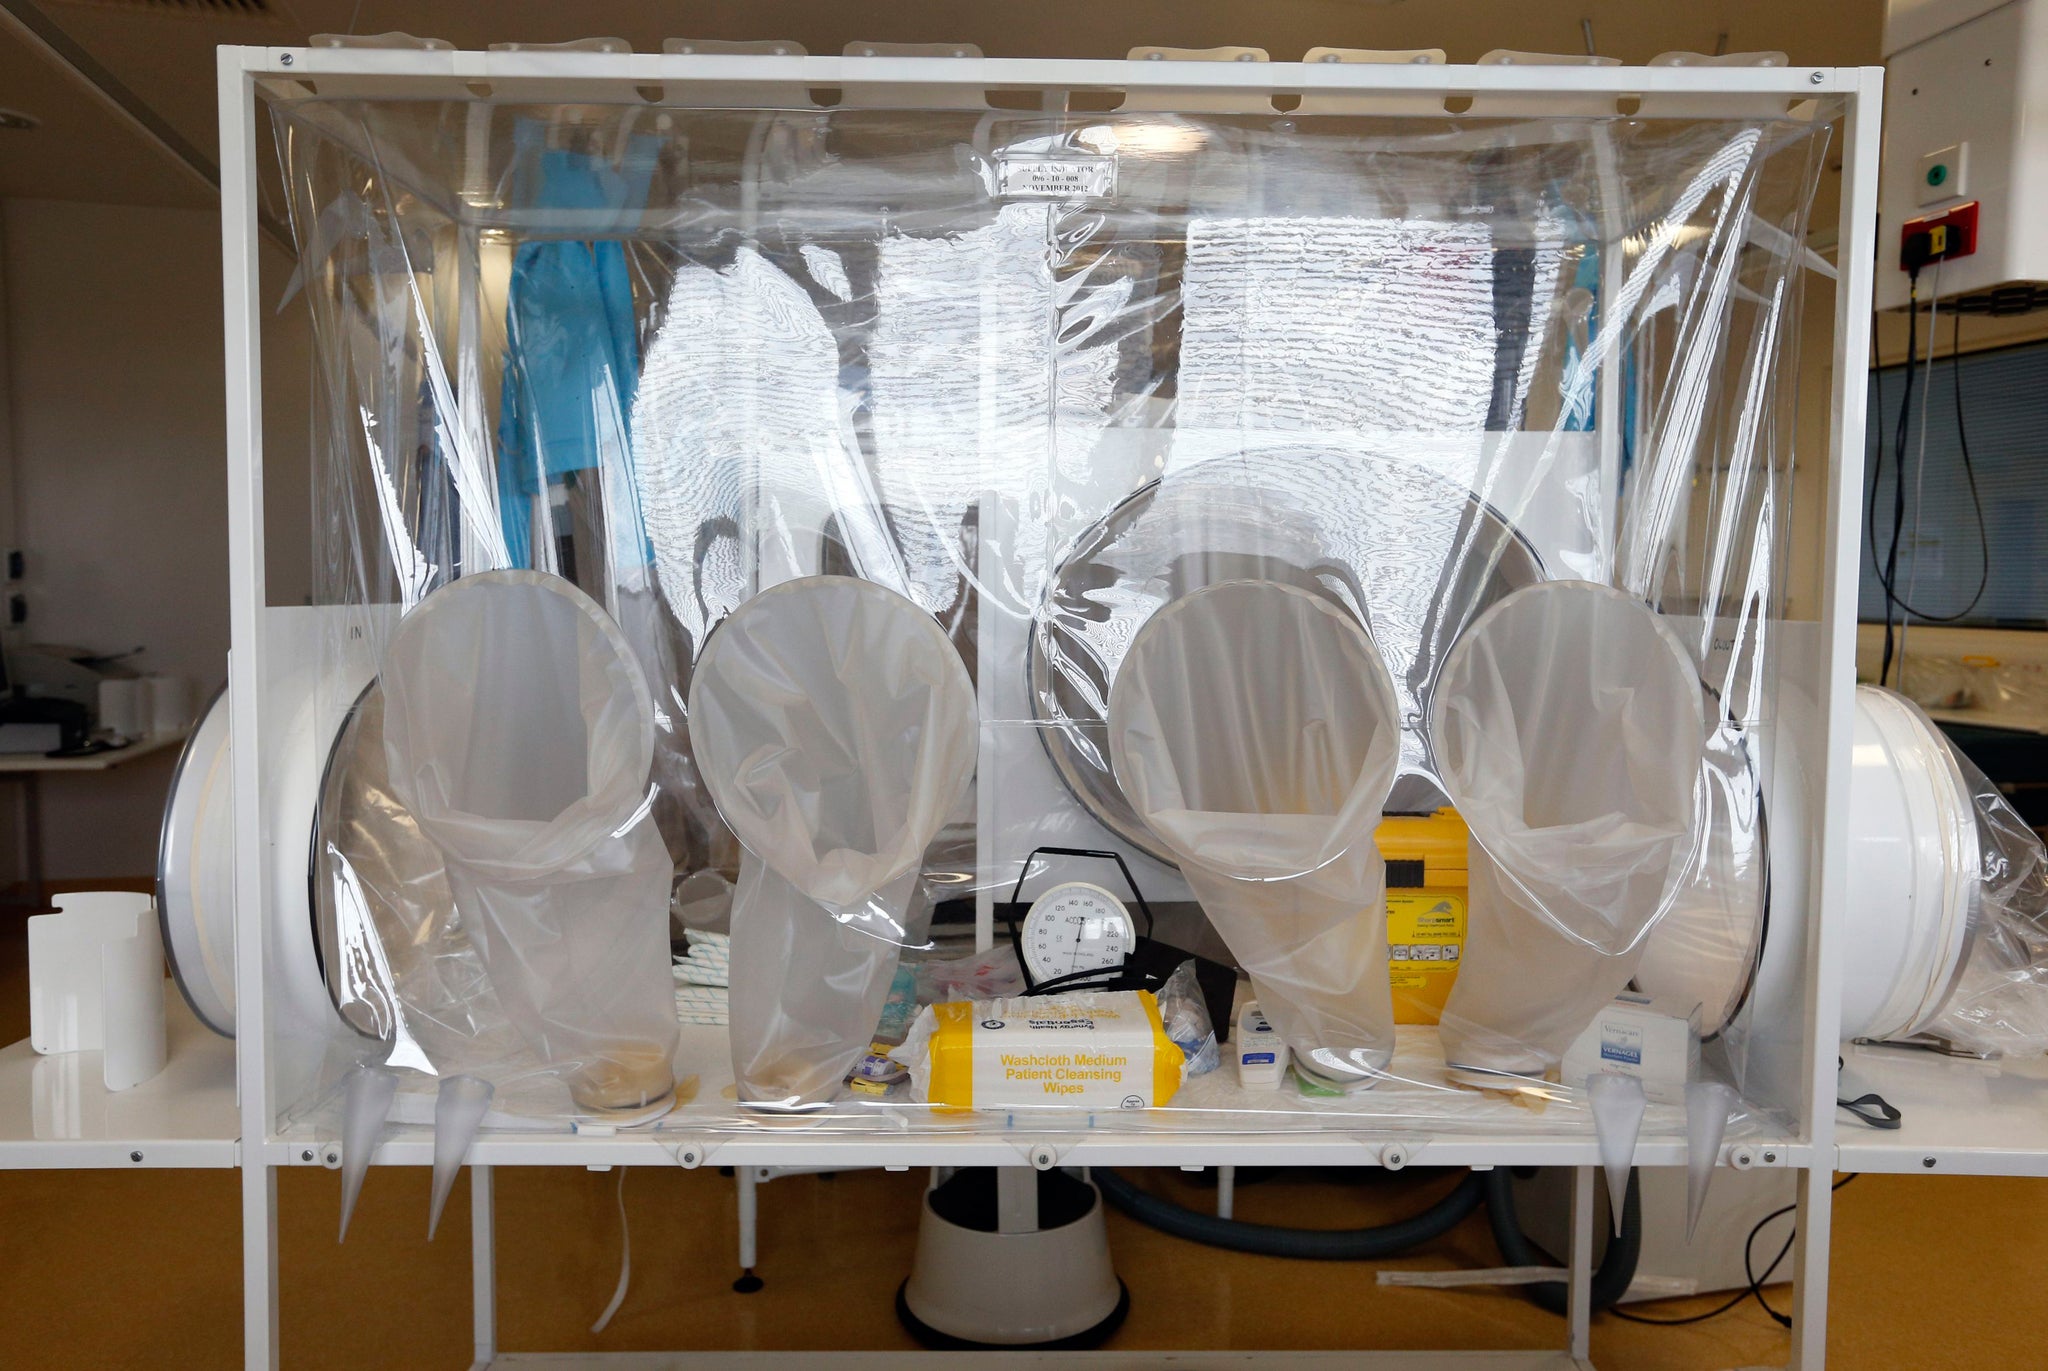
(125, 1269)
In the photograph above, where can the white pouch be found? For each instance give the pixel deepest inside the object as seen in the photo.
(835, 726)
(1571, 729)
(1254, 729)
(519, 731)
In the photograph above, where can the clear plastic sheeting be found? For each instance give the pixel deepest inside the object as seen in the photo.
(1050, 385)
(518, 733)
(836, 726)
(1254, 729)
(1997, 1005)
(400, 965)
(1571, 724)
(1374, 534)
(1706, 947)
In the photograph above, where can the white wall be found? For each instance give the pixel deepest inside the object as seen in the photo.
(115, 393)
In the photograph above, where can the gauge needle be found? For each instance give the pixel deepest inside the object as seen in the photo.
(1080, 932)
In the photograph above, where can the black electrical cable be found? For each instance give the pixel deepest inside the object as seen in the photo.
(1969, 474)
(1617, 1267)
(1889, 563)
(1714, 1313)
(1955, 366)
(1756, 1282)
(1901, 444)
(1755, 1288)
(1315, 1244)
(1955, 370)
(1611, 1280)
(1887, 572)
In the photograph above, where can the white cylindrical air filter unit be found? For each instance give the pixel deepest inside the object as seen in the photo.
(1912, 869)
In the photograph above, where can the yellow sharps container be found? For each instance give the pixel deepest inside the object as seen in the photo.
(1426, 888)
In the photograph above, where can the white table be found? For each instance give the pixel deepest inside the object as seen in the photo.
(27, 769)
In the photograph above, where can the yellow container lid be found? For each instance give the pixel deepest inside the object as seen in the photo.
(1436, 840)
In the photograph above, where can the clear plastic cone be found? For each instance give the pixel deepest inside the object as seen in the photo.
(364, 1110)
(1707, 1107)
(1617, 1103)
(459, 1111)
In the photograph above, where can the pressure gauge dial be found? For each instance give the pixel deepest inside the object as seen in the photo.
(1076, 927)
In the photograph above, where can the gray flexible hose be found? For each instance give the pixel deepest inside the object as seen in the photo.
(1617, 1265)
(1344, 1244)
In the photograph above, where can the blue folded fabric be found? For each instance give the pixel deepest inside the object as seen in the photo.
(571, 353)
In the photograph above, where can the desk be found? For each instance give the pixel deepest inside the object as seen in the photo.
(27, 768)
(35, 763)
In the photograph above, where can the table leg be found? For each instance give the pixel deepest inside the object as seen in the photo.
(28, 828)
(32, 840)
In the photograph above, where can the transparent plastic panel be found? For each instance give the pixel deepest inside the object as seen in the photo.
(1040, 376)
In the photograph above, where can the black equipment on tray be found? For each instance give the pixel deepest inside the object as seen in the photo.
(1150, 961)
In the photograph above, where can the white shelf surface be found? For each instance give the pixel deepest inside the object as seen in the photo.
(1027, 1361)
(413, 1146)
(56, 1113)
(1961, 1117)
(1212, 1123)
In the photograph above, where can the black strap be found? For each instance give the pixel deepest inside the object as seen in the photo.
(1873, 1109)
(1137, 895)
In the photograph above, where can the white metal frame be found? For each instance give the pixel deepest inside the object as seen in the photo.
(609, 77)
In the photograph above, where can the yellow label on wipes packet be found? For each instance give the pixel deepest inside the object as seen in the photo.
(1104, 1050)
(1425, 940)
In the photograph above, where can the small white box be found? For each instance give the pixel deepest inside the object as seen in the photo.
(1656, 1040)
(1262, 1055)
